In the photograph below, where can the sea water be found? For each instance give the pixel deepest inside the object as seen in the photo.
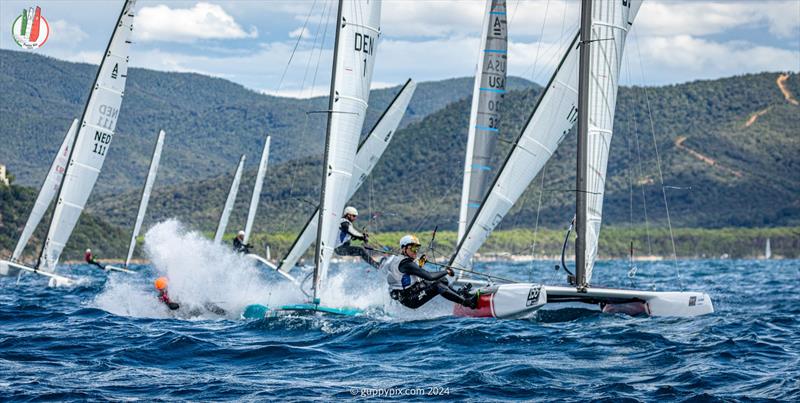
(109, 338)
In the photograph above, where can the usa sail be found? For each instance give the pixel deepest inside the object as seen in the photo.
(484, 119)
(369, 153)
(357, 32)
(148, 187)
(229, 202)
(553, 116)
(48, 191)
(254, 199)
(92, 142)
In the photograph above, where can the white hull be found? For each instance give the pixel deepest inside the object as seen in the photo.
(10, 268)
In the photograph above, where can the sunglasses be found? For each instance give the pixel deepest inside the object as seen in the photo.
(413, 248)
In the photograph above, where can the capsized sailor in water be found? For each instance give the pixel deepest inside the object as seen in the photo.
(161, 284)
(413, 287)
(348, 232)
(163, 296)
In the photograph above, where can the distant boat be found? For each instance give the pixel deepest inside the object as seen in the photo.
(767, 250)
(86, 155)
(225, 215)
(587, 95)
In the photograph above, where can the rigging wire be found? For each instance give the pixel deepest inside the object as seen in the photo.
(660, 172)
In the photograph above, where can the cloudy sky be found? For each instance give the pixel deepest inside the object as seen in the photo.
(251, 42)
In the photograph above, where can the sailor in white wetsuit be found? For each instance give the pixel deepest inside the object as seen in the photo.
(413, 287)
(348, 232)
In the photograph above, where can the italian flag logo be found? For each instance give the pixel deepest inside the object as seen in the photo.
(30, 30)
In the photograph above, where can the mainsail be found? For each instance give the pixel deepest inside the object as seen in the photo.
(610, 23)
(48, 190)
(229, 202)
(254, 199)
(148, 187)
(553, 116)
(368, 154)
(92, 141)
(357, 31)
(484, 119)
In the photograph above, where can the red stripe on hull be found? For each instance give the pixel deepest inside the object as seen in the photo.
(484, 309)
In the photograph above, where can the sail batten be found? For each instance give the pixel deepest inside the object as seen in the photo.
(92, 141)
(155, 160)
(357, 33)
(229, 202)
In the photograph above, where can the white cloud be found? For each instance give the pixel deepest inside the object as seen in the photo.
(65, 33)
(202, 21)
(301, 31)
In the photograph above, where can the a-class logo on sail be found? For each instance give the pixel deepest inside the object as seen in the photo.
(30, 29)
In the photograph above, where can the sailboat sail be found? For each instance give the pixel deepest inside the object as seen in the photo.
(148, 187)
(48, 190)
(92, 141)
(551, 120)
(484, 119)
(357, 31)
(611, 21)
(229, 202)
(767, 250)
(254, 199)
(368, 154)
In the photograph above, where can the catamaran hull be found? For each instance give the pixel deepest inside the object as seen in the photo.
(12, 269)
(509, 301)
(258, 311)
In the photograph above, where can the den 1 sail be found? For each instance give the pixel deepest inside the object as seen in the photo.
(357, 32)
(484, 119)
(368, 154)
(97, 128)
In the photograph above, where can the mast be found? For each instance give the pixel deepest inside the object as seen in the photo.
(583, 134)
(331, 99)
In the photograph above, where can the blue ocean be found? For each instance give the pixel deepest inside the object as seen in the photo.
(108, 338)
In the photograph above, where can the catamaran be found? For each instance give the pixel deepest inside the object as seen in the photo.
(85, 157)
(583, 88)
(357, 32)
(155, 160)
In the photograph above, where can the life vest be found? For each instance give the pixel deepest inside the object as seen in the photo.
(396, 279)
(344, 236)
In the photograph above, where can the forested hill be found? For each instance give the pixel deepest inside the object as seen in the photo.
(209, 121)
(728, 150)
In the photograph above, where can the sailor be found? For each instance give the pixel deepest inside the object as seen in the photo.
(161, 287)
(348, 232)
(413, 287)
(239, 245)
(90, 259)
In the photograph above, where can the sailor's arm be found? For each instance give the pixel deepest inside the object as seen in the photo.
(408, 266)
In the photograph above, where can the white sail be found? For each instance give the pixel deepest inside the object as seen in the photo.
(148, 187)
(368, 154)
(484, 119)
(229, 202)
(48, 190)
(767, 250)
(551, 120)
(92, 142)
(357, 31)
(254, 199)
(611, 21)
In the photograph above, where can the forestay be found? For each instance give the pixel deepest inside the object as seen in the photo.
(553, 116)
(611, 21)
(357, 31)
(484, 119)
(48, 190)
(368, 154)
(229, 202)
(148, 187)
(92, 142)
(256, 197)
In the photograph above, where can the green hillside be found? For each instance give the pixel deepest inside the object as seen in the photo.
(209, 121)
(751, 181)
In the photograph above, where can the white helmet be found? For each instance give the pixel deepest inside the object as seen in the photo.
(409, 240)
(350, 210)
(88, 251)
(241, 233)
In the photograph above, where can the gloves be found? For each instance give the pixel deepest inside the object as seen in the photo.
(422, 260)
